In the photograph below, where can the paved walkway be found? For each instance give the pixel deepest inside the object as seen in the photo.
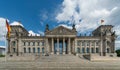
(68, 62)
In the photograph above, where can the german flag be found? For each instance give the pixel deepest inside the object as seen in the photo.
(102, 21)
(8, 28)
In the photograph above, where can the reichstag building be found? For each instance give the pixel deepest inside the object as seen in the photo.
(62, 41)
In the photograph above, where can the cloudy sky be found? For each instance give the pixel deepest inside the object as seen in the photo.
(35, 14)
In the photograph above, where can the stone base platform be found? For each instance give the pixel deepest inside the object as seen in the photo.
(60, 62)
(104, 58)
(97, 57)
(14, 57)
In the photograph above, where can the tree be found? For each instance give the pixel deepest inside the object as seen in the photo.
(118, 52)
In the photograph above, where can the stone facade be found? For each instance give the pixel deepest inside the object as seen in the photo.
(62, 40)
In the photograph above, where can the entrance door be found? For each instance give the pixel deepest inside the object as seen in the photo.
(43, 51)
(55, 47)
(60, 48)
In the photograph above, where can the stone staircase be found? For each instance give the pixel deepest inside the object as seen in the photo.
(58, 58)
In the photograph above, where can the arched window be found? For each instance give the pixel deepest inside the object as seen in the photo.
(24, 50)
(33, 50)
(97, 50)
(107, 50)
(29, 50)
(78, 50)
(92, 50)
(14, 50)
(43, 51)
(83, 50)
(38, 50)
(87, 50)
(13, 43)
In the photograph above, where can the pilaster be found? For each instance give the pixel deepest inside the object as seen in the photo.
(57, 45)
(69, 46)
(52, 46)
(63, 45)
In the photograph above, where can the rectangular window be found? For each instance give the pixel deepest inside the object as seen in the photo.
(14, 50)
(33, 43)
(24, 43)
(87, 50)
(83, 43)
(33, 50)
(83, 50)
(28, 43)
(78, 43)
(24, 50)
(13, 43)
(38, 50)
(42, 43)
(97, 43)
(38, 43)
(29, 50)
(87, 43)
(92, 43)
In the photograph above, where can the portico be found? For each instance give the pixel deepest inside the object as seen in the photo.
(60, 45)
(60, 40)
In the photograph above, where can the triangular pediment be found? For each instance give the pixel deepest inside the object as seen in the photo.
(61, 30)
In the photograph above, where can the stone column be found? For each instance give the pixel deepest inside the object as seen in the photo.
(17, 47)
(90, 47)
(80, 47)
(52, 46)
(63, 45)
(85, 46)
(105, 47)
(73, 46)
(95, 47)
(41, 50)
(69, 46)
(57, 45)
(101, 47)
(46, 46)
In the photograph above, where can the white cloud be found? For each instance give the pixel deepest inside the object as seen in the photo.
(100, 13)
(90, 12)
(2, 46)
(31, 33)
(117, 41)
(3, 29)
(64, 25)
(41, 33)
(16, 23)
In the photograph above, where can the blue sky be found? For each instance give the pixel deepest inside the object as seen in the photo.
(35, 14)
(29, 12)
